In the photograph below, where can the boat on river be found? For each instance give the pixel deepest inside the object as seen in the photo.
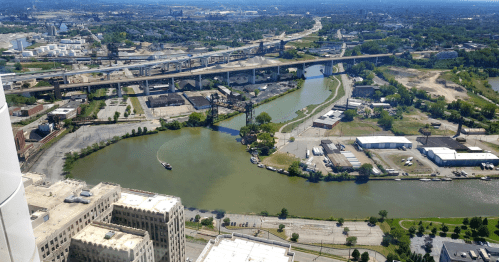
(166, 165)
(271, 168)
(425, 179)
(254, 160)
(485, 178)
(397, 179)
(261, 166)
(446, 179)
(436, 179)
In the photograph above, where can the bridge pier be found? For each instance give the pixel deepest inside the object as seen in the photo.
(204, 62)
(300, 72)
(108, 77)
(278, 70)
(65, 77)
(226, 58)
(228, 79)
(89, 90)
(253, 77)
(328, 68)
(146, 88)
(199, 83)
(178, 66)
(118, 90)
(172, 85)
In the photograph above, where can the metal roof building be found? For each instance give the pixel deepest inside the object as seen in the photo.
(380, 142)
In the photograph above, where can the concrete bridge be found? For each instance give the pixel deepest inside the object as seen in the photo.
(144, 78)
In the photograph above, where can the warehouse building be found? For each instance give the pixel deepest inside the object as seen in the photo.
(364, 91)
(383, 142)
(31, 110)
(62, 113)
(172, 99)
(443, 156)
(198, 102)
(460, 252)
(441, 142)
(329, 120)
(240, 248)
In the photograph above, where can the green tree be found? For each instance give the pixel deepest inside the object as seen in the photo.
(412, 230)
(373, 220)
(207, 221)
(356, 254)
(294, 237)
(434, 231)
(227, 221)
(133, 132)
(346, 230)
(341, 221)
(116, 116)
(421, 229)
(457, 230)
(263, 118)
(365, 169)
(257, 91)
(144, 130)
(349, 114)
(466, 221)
(294, 169)
(196, 119)
(284, 213)
(444, 228)
(281, 227)
(18, 66)
(264, 213)
(485, 221)
(197, 217)
(364, 257)
(483, 231)
(476, 222)
(139, 131)
(367, 112)
(383, 214)
(351, 241)
(244, 131)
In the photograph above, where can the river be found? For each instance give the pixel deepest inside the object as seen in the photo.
(211, 170)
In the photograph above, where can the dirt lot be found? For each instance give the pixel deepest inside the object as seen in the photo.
(427, 80)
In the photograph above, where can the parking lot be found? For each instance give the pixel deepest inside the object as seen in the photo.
(417, 245)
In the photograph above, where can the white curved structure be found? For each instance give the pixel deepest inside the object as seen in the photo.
(17, 241)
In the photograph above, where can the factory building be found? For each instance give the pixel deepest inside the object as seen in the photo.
(31, 110)
(238, 247)
(166, 100)
(329, 120)
(383, 142)
(449, 157)
(364, 91)
(198, 102)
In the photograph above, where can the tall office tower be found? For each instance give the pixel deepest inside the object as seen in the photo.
(17, 241)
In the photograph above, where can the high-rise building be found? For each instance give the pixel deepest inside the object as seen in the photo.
(17, 242)
(162, 216)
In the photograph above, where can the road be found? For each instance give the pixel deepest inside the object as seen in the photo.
(179, 59)
(52, 161)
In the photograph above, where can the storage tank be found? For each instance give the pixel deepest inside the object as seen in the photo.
(17, 241)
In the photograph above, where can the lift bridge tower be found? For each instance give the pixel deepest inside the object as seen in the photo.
(216, 102)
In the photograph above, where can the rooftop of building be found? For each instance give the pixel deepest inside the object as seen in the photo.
(147, 201)
(61, 213)
(469, 252)
(61, 111)
(244, 248)
(71, 104)
(198, 101)
(111, 236)
(441, 141)
(382, 139)
(32, 178)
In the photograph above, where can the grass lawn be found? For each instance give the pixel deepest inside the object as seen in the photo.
(135, 101)
(35, 45)
(317, 253)
(277, 233)
(381, 249)
(357, 127)
(303, 57)
(429, 223)
(93, 106)
(409, 126)
(280, 160)
(42, 65)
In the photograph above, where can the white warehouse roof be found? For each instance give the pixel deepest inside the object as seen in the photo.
(383, 139)
(467, 156)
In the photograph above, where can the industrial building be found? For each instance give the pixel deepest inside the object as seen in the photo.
(443, 156)
(172, 99)
(442, 142)
(113, 243)
(343, 159)
(31, 110)
(329, 120)
(198, 102)
(364, 91)
(62, 113)
(241, 248)
(383, 142)
(460, 252)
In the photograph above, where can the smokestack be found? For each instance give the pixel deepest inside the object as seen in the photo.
(17, 241)
(459, 126)
(346, 107)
